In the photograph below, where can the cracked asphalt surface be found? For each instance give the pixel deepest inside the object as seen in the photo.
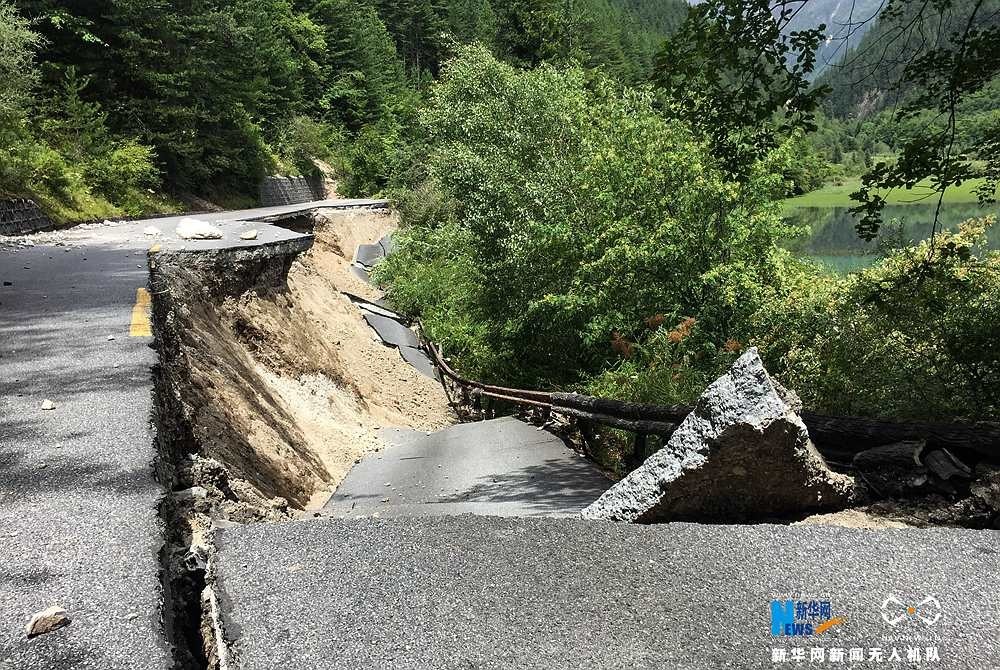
(486, 592)
(502, 467)
(78, 517)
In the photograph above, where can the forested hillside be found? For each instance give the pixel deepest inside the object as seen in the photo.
(846, 25)
(204, 98)
(870, 76)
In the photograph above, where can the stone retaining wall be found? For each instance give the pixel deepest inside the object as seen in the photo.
(20, 215)
(277, 191)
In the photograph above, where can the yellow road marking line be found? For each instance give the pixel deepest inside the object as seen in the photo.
(140, 326)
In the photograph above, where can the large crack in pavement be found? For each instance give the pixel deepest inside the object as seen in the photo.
(269, 388)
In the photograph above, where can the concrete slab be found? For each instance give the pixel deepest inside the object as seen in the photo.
(503, 467)
(387, 244)
(372, 308)
(361, 274)
(391, 331)
(369, 255)
(481, 592)
(419, 360)
(381, 303)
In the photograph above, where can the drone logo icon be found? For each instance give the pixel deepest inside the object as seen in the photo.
(895, 611)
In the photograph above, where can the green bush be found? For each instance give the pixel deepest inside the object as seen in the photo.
(40, 167)
(377, 154)
(579, 212)
(305, 141)
(913, 336)
(128, 167)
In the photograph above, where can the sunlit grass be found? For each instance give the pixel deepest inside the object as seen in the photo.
(839, 195)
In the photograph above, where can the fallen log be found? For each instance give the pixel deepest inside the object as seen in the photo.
(625, 410)
(854, 434)
(842, 434)
(640, 426)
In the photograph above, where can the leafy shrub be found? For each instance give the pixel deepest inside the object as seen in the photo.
(913, 336)
(38, 166)
(672, 365)
(377, 154)
(129, 166)
(579, 213)
(306, 140)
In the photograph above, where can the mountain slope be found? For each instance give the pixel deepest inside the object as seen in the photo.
(846, 21)
(869, 77)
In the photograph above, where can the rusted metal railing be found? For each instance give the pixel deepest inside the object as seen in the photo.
(833, 435)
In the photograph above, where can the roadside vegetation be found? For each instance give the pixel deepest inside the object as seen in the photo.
(568, 235)
(111, 104)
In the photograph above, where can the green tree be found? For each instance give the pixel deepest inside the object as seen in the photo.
(17, 64)
(418, 27)
(579, 212)
(962, 61)
(740, 77)
(362, 74)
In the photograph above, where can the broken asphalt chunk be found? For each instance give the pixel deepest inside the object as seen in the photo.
(743, 453)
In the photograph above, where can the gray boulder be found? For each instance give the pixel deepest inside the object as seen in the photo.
(742, 454)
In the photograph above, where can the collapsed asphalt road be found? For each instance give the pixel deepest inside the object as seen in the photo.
(426, 591)
(503, 467)
(78, 499)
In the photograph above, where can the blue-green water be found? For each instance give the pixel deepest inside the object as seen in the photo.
(832, 240)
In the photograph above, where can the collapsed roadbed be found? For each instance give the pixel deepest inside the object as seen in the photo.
(268, 389)
(272, 386)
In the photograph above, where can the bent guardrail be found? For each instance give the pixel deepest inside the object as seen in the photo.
(835, 436)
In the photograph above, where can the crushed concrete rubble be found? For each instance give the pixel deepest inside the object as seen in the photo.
(742, 454)
(893, 469)
(47, 621)
(196, 229)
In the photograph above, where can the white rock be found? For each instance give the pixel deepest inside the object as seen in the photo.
(48, 405)
(196, 229)
(248, 235)
(151, 231)
(111, 338)
(47, 621)
(195, 492)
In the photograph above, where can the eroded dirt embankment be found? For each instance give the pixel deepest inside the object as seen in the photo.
(270, 372)
(270, 387)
